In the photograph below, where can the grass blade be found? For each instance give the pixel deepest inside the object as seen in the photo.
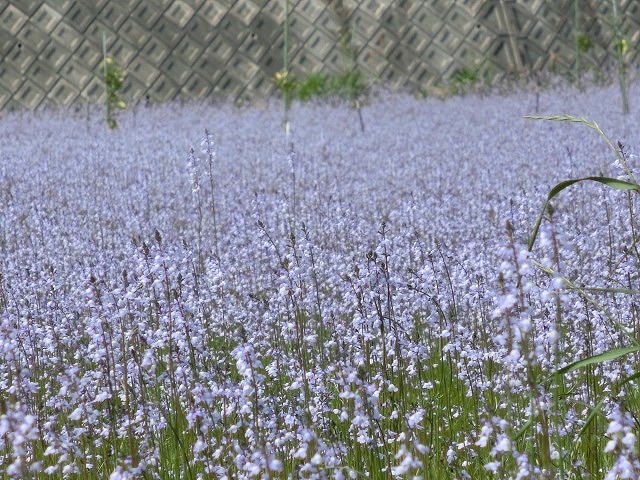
(609, 182)
(602, 357)
(594, 126)
(562, 118)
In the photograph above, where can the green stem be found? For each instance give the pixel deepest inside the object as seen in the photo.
(621, 70)
(286, 36)
(104, 76)
(578, 65)
(285, 55)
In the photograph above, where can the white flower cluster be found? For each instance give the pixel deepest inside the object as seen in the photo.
(622, 443)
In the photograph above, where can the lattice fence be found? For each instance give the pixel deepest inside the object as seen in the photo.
(178, 49)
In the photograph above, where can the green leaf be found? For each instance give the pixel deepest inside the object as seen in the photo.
(609, 182)
(626, 380)
(593, 414)
(527, 425)
(602, 357)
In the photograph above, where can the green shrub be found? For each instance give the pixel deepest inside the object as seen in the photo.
(314, 85)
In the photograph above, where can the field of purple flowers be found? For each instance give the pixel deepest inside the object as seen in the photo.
(196, 295)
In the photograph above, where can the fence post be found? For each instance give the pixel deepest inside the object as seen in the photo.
(508, 18)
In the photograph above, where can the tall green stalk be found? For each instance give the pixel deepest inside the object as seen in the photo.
(621, 46)
(583, 43)
(104, 56)
(576, 30)
(105, 75)
(285, 92)
(113, 78)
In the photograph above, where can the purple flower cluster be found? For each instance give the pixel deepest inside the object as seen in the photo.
(332, 304)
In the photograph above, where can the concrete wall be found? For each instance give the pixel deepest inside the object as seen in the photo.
(175, 49)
